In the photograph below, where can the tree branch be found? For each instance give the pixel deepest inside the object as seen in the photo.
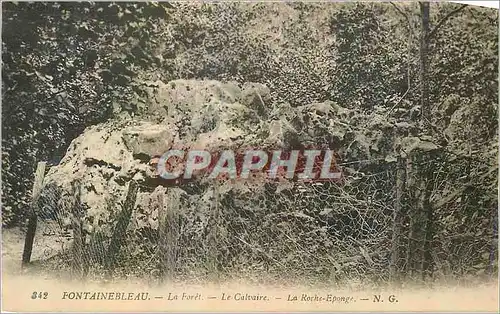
(444, 19)
(410, 37)
(402, 13)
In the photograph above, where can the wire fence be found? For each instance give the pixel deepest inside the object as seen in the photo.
(368, 229)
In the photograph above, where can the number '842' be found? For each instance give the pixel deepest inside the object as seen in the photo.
(39, 295)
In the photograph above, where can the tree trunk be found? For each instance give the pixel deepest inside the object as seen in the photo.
(424, 49)
(426, 209)
(421, 215)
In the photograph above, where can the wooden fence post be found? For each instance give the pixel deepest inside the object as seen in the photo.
(397, 222)
(80, 266)
(120, 230)
(213, 237)
(169, 230)
(33, 213)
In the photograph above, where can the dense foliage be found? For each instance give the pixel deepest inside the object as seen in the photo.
(67, 66)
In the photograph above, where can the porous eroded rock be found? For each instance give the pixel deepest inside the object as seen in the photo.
(206, 115)
(148, 139)
(189, 114)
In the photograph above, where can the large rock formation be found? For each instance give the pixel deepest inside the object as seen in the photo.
(184, 114)
(206, 115)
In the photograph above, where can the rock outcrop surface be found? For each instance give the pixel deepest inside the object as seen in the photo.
(183, 114)
(207, 115)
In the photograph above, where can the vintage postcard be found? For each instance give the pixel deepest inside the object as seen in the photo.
(250, 156)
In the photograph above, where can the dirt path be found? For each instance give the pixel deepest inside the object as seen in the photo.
(12, 250)
(48, 242)
(18, 286)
